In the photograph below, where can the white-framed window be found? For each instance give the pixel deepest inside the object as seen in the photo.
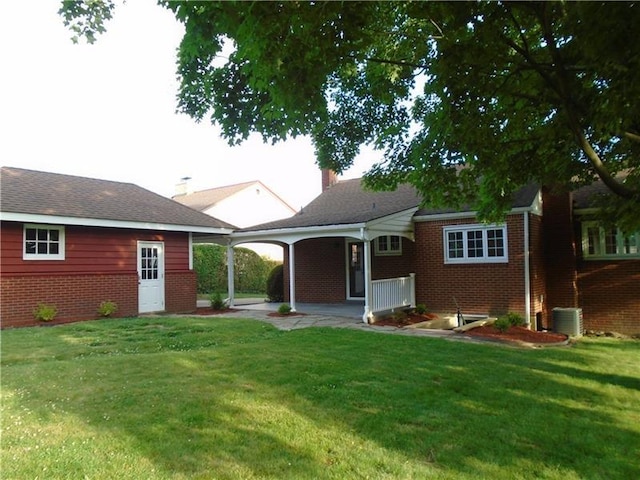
(388, 245)
(609, 242)
(43, 242)
(475, 244)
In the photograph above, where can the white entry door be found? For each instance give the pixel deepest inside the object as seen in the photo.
(150, 277)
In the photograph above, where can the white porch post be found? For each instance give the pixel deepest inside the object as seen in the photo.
(412, 276)
(292, 278)
(230, 275)
(368, 314)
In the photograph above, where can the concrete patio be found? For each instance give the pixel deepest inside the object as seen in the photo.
(342, 315)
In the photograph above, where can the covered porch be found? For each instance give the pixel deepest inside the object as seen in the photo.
(340, 255)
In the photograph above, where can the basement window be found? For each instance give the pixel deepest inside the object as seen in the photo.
(475, 244)
(388, 245)
(43, 242)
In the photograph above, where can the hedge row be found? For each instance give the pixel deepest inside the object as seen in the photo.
(250, 269)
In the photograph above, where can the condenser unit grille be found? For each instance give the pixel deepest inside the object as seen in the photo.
(568, 321)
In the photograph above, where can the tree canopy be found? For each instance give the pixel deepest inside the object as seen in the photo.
(468, 101)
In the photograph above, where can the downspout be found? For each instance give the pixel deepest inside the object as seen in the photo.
(292, 278)
(527, 276)
(230, 275)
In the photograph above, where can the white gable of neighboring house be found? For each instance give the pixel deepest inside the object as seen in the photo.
(253, 205)
(243, 205)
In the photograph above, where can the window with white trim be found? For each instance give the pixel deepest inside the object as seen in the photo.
(43, 242)
(388, 245)
(475, 244)
(609, 242)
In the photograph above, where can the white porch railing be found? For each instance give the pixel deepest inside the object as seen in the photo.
(391, 293)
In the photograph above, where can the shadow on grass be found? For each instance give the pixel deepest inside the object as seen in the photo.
(239, 399)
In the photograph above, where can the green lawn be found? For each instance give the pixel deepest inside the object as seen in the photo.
(231, 398)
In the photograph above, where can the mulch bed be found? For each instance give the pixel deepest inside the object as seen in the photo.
(489, 332)
(410, 319)
(518, 334)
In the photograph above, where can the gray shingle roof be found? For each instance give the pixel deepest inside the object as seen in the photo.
(205, 199)
(52, 194)
(346, 202)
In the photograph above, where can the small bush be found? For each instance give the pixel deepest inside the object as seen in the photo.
(515, 319)
(284, 309)
(511, 319)
(275, 284)
(502, 323)
(421, 309)
(107, 308)
(45, 313)
(216, 301)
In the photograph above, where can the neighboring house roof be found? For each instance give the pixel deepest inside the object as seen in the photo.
(29, 194)
(205, 199)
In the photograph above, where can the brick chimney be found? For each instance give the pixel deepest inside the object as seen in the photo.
(329, 178)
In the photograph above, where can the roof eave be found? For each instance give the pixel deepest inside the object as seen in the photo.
(98, 222)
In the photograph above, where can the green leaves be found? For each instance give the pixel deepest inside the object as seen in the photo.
(517, 92)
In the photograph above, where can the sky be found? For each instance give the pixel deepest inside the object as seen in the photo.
(107, 110)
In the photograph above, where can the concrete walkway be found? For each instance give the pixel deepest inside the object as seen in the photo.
(325, 315)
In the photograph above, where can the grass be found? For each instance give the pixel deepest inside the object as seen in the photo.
(231, 398)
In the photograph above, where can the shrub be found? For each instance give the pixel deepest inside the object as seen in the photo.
(421, 309)
(502, 323)
(45, 313)
(210, 265)
(251, 271)
(107, 308)
(511, 319)
(284, 309)
(275, 284)
(216, 301)
(515, 319)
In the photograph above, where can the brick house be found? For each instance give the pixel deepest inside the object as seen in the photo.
(74, 242)
(353, 245)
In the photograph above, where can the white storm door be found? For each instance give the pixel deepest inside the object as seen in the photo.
(150, 277)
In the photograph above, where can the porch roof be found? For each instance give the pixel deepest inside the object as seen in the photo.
(344, 210)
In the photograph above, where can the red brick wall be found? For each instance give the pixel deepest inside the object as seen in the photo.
(494, 288)
(537, 271)
(321, 268)
(610, 295)
(75, 296)
(559, 253)
(180, 291)
(320, 271)
(392, 266)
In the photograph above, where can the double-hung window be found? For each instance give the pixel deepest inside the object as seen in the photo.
(388, 245)
(43, 242)
(608, 242)
(475, 244)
